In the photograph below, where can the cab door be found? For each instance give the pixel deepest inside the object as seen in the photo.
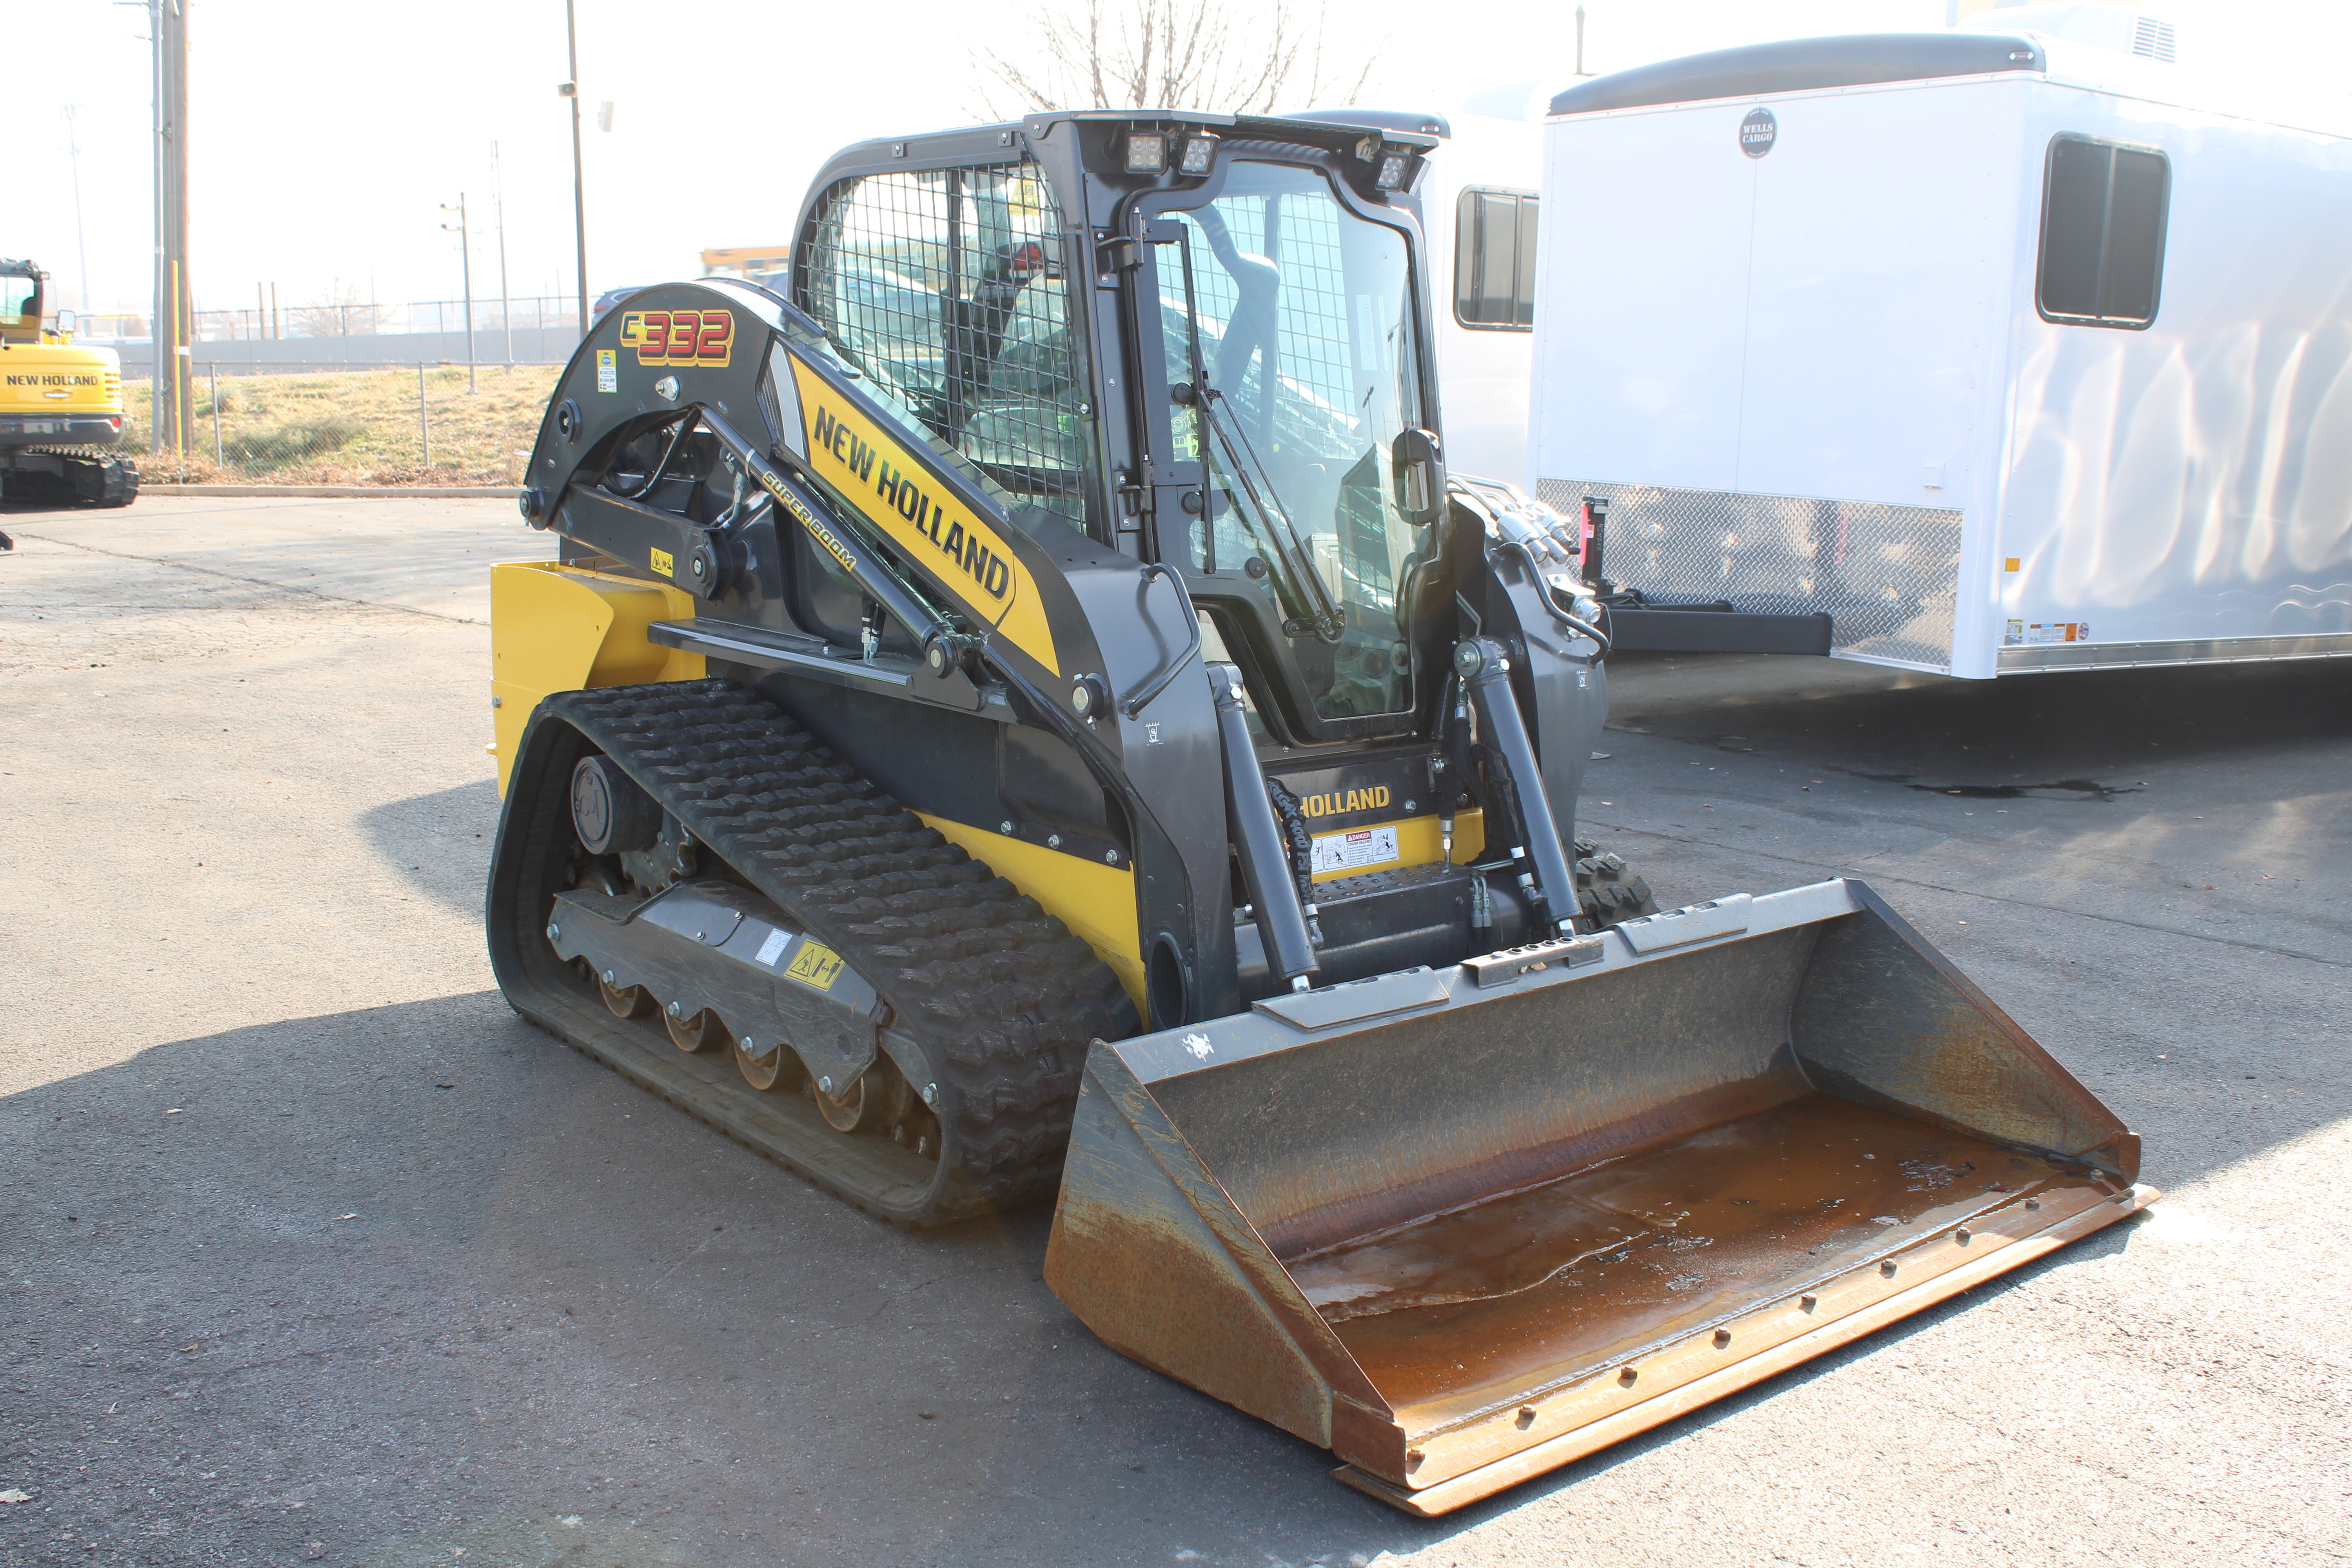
(1278, 328)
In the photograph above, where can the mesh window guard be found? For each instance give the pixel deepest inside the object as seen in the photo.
(945, 287)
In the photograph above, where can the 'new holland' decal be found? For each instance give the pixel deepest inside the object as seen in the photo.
(915, 508)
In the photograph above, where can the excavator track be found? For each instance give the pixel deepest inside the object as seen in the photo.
(999, 996)
(87, 475)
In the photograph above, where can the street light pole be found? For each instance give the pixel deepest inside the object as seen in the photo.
(466, 252)
(571, 89)
(81, 240)
(506, 304)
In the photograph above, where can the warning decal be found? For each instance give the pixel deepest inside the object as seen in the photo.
(2032, 633)
(1357, 851)
(816, 966)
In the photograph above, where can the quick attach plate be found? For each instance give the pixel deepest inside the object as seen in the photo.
(1517, 963)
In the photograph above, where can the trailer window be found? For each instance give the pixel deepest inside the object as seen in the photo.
(2102, 221)
(1495, 260)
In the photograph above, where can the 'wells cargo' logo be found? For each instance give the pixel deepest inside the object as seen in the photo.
(703, 337)
(915, 509)
(1340, 801)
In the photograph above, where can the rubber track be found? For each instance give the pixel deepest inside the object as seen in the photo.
(116, 476)
(999, 992)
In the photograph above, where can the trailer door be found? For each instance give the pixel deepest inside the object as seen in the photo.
(1795, 427)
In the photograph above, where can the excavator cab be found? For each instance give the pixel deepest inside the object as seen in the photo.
(20, 302)
(1021, 704)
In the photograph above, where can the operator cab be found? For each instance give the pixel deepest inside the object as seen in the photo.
(1198, 340)
(20, 302)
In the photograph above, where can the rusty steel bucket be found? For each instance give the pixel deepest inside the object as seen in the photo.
(1462, 1227)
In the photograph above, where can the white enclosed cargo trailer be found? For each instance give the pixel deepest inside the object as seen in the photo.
(2003, 351)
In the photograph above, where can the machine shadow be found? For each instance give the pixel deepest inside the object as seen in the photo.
(1934, 733)
(440, 842)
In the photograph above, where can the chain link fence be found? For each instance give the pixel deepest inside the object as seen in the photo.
(316, 425)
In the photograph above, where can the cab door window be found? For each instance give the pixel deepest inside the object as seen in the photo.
(1292, 322)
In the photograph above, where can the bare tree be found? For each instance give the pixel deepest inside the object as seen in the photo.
(1174, 53)
(339, 312)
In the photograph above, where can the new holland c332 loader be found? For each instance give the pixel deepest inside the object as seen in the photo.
(1027, 705)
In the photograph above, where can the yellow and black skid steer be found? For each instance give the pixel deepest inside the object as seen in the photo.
(1024, 704)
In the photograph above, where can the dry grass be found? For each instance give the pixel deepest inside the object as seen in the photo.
(351, 428)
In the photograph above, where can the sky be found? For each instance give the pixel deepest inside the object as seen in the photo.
(324, 137)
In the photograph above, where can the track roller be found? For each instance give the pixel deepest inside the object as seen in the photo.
(703, 1032)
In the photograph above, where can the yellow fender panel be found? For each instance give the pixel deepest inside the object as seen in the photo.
(1097, 902)
(564, 628)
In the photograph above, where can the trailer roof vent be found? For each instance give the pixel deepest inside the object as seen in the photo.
(2153, 39)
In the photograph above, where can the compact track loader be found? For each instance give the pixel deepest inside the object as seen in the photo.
(60, 406)
(1027, 705)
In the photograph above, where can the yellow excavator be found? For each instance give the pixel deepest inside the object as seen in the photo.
(1022, 708)
(60, 404)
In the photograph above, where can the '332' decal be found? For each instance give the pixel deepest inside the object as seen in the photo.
(680, 337)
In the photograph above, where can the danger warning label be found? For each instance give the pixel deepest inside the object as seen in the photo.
(1365, 848)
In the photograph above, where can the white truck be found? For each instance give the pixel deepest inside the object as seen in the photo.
(2006, 351)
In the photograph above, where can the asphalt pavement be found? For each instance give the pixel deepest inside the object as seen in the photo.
(310, 1250)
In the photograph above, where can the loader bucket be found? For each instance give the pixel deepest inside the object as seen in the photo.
(1462, 1227)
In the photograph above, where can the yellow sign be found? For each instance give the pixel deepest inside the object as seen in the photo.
(662, 562)
(961, 551)
(815, 965)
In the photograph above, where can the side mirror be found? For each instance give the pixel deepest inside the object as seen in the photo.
(66, 321)
(1418, 469)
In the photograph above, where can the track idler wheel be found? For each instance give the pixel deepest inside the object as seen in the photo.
(703, 1032)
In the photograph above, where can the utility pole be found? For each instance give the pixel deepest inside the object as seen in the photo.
(571, 89)
(167, 31)
(506, 303)
(466, 251)
(156, 336)
(1579, 43)
(180, 304)
(81, 241)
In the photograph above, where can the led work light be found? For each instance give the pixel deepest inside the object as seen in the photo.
(1146, 153)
